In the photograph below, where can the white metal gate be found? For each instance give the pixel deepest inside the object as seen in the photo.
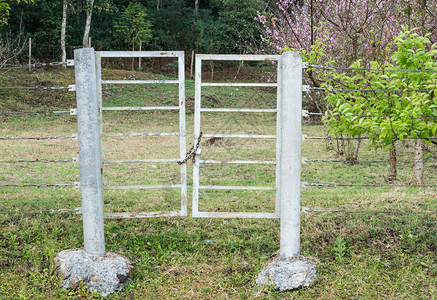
(197, 130)
(182, 131)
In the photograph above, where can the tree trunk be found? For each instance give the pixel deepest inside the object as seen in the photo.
(133, 59)
(89, 12)
(418, 162)
(63, 30)
(356, 150)
(196, 5)
(393, 160)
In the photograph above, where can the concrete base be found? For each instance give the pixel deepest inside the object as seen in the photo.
(102, 274)
(289, 274)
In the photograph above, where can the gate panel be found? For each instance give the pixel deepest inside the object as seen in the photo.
(182, 129)
(197, 131)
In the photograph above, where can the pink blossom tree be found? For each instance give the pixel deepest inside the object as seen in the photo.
(343, 31)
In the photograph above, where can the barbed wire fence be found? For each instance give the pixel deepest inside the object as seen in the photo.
(71, 112)
(328, 115)
(304, 160)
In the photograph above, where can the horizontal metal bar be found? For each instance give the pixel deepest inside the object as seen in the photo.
(141, 187)
(238, 84)
(249, 162)
(238, 57)
(141, 134)
(140, 108)
(141, 161)
(140, 53)
(242, 215)
(139, 81)
(245, 110)
(133, 215)
(230, 187)
(244, 136)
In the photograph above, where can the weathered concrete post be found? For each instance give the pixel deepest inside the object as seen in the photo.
(291, 270)
(100, 271)
(90, 150)
(290, 159)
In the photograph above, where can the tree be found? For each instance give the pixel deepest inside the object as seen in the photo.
(133, 25)
(5, 8)
(239, 31)
(63, 31)
(401, 101)
(341, 32)
(89, 12)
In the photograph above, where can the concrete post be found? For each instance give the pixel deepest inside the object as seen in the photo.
(290, 154)
(90, 152)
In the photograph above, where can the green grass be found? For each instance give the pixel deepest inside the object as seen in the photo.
(361, 256)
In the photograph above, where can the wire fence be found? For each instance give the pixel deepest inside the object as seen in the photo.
(41, 88)
(304, 183)
(315, 66)
(36, 65)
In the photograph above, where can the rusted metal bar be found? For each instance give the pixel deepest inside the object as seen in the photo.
(243, 110)
(134, 161)
(254, 84)
(132, 134)
(240, 215)
(139, 81)
(249, 162)
(231, 187)
(141, 108)
(238, 57)
(151, 214)
(140, 53)
(244, 136)
(141, 187)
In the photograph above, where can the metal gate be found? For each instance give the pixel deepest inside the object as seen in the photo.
(182, 131)
(197, 130)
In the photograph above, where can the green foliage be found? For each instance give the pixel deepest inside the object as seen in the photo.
(5, 9)
(339, 249)
(388, 105)
(238, 28)
(133, 26)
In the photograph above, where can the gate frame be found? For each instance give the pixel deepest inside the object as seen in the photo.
(182, 126)
(198, 109)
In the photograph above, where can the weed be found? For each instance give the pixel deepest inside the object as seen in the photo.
(339, 249)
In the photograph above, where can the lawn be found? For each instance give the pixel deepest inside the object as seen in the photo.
(364, 255)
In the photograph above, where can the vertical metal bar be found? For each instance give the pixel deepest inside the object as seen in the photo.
(290, 157)
(99, 96)
(139, 58)
(183, 133)
(197, 97)
(278, 136)
(90, 158)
